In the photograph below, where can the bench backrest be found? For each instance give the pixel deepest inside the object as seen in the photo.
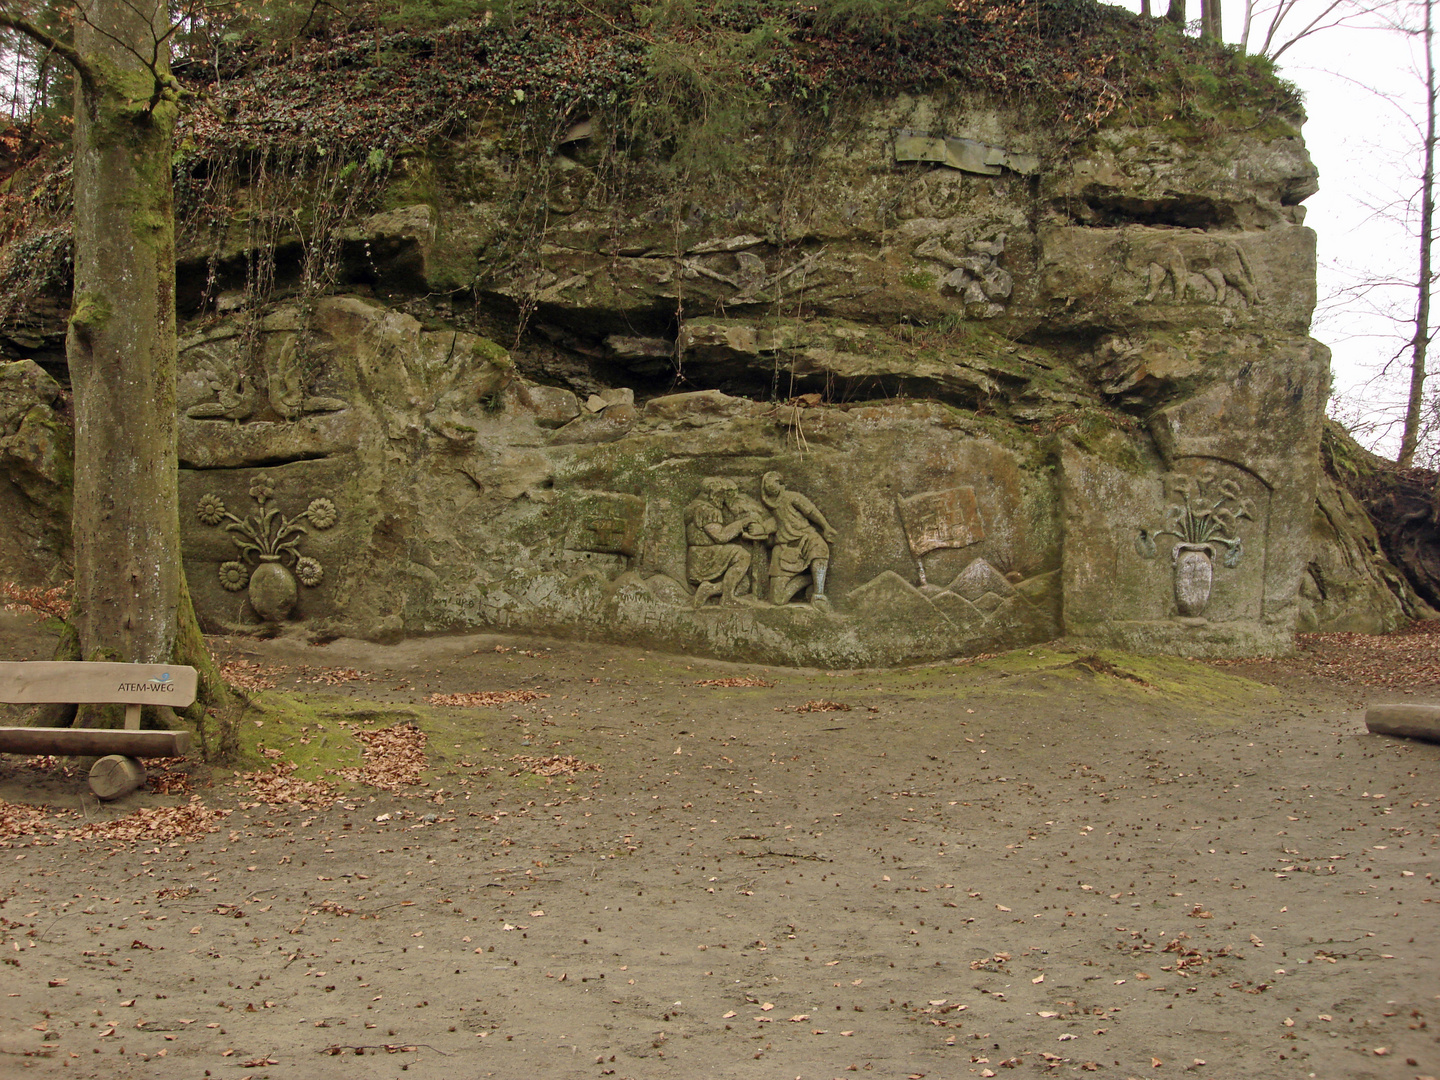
(80, 683)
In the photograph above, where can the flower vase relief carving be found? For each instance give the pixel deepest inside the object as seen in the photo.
(270, 563)
(1203, 516)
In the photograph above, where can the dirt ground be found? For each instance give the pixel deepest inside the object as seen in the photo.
(1046, 862)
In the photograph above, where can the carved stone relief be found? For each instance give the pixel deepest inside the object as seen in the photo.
(800, 545)
(714, 563)
(1224, 277)
(235, 385)
(747, 273)
(286, 377)
(606, 523)
(1202, 516)
(975, 275)
(233, 389)
(270, 562)
(940, 519)
(777, 548)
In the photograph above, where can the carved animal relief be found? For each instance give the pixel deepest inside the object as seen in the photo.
(1223, 276)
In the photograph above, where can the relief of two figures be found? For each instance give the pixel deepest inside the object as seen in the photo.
(776, 548)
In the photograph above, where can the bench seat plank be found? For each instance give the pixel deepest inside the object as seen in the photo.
(77, 742)
(79, 682)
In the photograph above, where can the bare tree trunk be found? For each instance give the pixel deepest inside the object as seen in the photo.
(121, 339)
(1175, 13)
(1210, 23)
(1420, 342)
(1145, 9)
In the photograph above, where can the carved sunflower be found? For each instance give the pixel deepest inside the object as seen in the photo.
(309, 571)
(234, 576)
(210, 509)
(321, 512)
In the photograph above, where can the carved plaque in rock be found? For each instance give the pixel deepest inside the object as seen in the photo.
(1202, 519)
(607, 522)
(270, 567)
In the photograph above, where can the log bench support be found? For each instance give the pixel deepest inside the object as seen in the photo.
(117, 772)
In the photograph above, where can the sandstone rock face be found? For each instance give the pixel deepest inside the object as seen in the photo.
(1349, 585)
(35, 451)
(951, 389)
(1005, 395)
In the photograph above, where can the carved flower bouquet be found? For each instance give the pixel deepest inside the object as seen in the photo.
(1204, 510)
(1203, 515)
(269, 541)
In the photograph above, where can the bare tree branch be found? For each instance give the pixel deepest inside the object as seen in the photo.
(51, 42)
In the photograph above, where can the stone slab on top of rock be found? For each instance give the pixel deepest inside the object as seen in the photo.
(552, 406)
(619, 395)
(607, 425)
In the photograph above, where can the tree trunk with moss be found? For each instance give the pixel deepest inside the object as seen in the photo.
(121, 341)
(130, 599)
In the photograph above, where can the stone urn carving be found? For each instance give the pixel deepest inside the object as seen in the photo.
(1203, 517)
(273, 590)
(1194, 574)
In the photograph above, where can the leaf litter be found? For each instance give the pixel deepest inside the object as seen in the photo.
(554, 765)
(487, 699)
(151, 824)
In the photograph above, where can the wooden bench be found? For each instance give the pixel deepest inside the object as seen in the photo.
(73, 682)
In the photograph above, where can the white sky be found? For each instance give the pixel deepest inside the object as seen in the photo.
(1367, 147)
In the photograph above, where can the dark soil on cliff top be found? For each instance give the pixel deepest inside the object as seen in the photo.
(1042, 863)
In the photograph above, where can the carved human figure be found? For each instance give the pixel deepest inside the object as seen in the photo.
(757, 526)
(714, 564)
(801, 544)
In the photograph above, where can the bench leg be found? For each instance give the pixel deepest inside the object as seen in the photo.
(115, 775)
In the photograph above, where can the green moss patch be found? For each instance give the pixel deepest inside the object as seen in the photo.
(316, 734)
(1125, 687)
